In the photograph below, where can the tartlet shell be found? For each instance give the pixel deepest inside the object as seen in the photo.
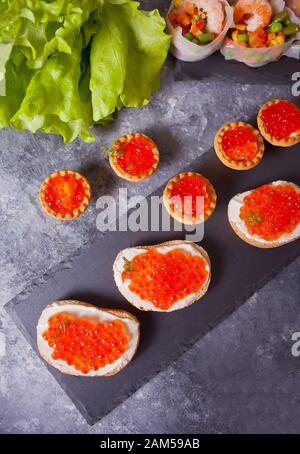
(238, 165)
(198, 294)
(116, 312)
(119, 171)
(180, 216)
(288, 142)
(78, 211)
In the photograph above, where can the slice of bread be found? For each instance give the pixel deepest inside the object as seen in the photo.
(241, 230)
(144, 305)
(88, 312)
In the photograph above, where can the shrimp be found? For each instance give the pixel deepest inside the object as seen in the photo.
(256, 13)
(214, 11)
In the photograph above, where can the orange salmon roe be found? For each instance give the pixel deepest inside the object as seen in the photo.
(136, 157)
(164, 279)
(84, 344)
(64, 193)
(281, 119)
(271, 211)
(239, 143)
(194, 187)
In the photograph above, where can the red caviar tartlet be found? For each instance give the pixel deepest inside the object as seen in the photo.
(190, 198)
(134, 157)
(165, 277)
(65, 195)
(80, 339)
(239, 146)
(279, 122)
(268, 216)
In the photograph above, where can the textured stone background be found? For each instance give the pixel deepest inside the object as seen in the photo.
(241, 377)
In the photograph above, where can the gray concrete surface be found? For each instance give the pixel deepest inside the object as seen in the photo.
(241, 377)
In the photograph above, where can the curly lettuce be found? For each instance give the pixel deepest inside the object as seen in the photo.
(53, 102)
(127, 55)
(68, 64)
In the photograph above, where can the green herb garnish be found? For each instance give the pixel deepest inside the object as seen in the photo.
(253, 218)
(114, 152)
(128, 266)
(65, 322)
(105, 151)
(117, 153)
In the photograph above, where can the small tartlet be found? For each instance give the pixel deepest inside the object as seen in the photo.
(288, 141)
(183, 217)
(238, 164)
(75, 212)
(113, 157)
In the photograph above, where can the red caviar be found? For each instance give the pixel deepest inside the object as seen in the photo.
(190, 193)
(136, 157)
(164, 279)
(281, 119)
(64, 193)
(239, 143)
(271, 211)
(84, 344)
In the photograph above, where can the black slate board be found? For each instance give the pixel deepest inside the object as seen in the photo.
(217, 68)
(237, 271)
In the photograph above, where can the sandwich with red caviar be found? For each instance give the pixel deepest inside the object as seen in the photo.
(190, 198)
(268, 216)
(134, 157)
(84, 340)
(65, 195)
(279, 122)
(239, 146)
(163, 278)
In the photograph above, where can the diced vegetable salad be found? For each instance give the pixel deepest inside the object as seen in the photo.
(279, 30)
(195, 21)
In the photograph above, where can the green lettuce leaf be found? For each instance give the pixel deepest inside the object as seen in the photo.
(54, 103)
(127, 55)
(3, 6)
(91, 26)
(69, 64)
(40, 28)
(5, 51)
(17, 78)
